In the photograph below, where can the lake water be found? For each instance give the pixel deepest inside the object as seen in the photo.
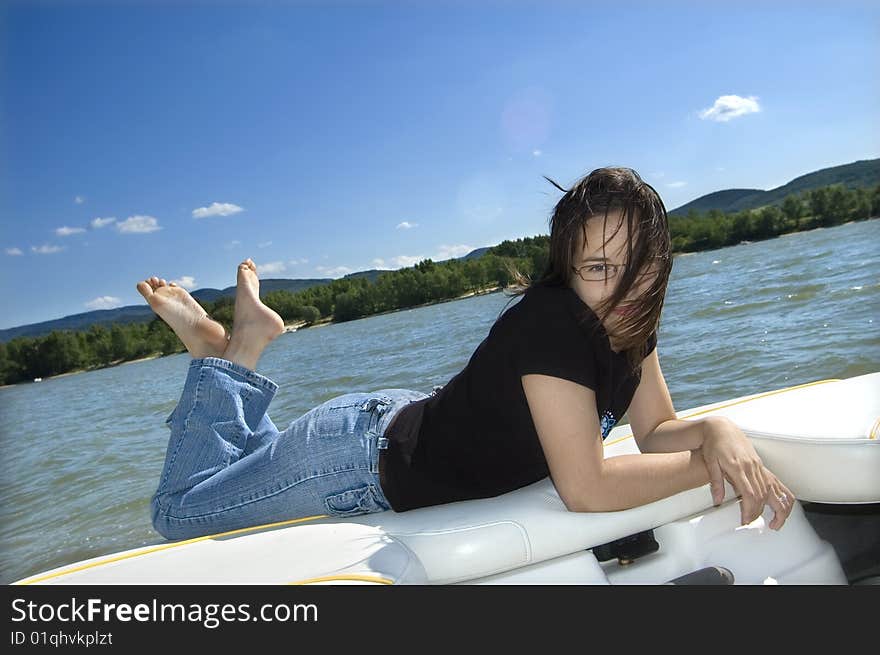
(82, 454)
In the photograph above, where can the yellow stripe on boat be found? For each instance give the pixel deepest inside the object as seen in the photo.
(329, 578)
(161, 547)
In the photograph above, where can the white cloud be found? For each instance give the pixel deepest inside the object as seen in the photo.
(536, 153)
(104, 302)
(138, 225)
(265, 244)
(79, 200)
(719, 168)
(188, 282)
(728, 107)
(406, 225)
(217, 209)
(14, 251)
(46, 249)
(232, 244)
(448, 252)
(67, 231)
(379, 263)
(297, 262)
(271, 268)
(402, 261)
(98, 223)
(337, 271)
(676, 185)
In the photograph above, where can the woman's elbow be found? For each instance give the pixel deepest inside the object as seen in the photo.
(576, 506)
(586, 507)
(596, 495)
(582, 502)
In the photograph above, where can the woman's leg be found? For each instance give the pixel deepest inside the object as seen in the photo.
(227, 467)
(212, 399)
(222, 406)
(324, 463)
(205, 337)
(265, 433)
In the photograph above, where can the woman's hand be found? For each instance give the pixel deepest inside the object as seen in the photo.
(729, 454)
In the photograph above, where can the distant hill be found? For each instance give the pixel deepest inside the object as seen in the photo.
(266, 286)
(479, 252)
(716, 200)
(371, 275)
(864, 173)
(143, 313)
(129, 314)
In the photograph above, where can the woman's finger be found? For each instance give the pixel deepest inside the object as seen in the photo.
(788, 497)
(777, 504)
(759, 485)
(749, 500)
(716, 481)
(782, 504)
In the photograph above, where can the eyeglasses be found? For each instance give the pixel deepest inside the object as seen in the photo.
(598, 271)
(602, 271)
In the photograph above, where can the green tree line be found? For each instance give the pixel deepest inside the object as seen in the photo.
(823, 207)
(26, 358)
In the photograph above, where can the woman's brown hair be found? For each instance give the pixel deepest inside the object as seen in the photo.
(593, 197)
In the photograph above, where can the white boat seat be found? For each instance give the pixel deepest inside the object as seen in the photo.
(476, 538)
(296, 554)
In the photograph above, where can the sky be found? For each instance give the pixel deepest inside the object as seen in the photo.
(178, 138)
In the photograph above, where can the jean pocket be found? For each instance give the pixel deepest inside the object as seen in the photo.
(361, 500)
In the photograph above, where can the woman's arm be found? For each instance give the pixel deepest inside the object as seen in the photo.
(727, 451)
(652, 417)
(567, 424)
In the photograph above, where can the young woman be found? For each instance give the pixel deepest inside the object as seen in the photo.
(553, 376)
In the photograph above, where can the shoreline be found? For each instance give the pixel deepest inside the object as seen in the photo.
(89, 370)
(470, 294)
(290, 327)
(293, 327)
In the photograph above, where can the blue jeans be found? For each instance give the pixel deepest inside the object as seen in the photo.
(229, 467)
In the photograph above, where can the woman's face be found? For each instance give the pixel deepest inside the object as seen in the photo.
(605, 252)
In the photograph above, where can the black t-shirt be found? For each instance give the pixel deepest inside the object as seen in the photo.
(476, 438)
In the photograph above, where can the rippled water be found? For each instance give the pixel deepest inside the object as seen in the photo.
(81, 454)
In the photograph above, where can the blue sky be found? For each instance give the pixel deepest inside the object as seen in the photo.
(176, 139)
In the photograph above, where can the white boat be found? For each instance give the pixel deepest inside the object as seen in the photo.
(822, 439)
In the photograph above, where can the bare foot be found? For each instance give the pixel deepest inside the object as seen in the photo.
(202, 336)
(254, 324)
